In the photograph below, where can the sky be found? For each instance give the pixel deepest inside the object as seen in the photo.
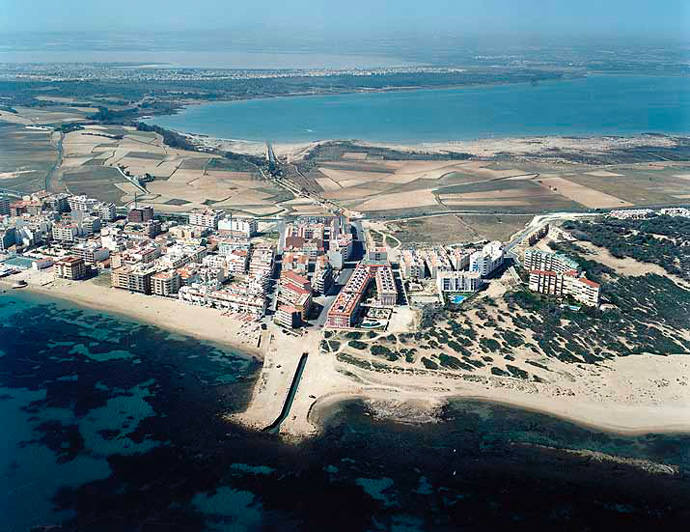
(653, 18)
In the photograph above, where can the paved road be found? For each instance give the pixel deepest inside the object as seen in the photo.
(48, 185)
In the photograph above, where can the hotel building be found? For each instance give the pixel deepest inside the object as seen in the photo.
(247, 227)
(166, 283)
(345, 309)
(140, 214)
(458, 281)
(65, 232)
(91, 252)
(488, 259)
(569, 283)
(412, 265)
(207, 218)
(136, 278)
(535, 259)
(72, 268)
(4, 205)
(288, 316)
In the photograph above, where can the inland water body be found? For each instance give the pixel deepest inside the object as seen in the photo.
(594, 105)
(111, 425)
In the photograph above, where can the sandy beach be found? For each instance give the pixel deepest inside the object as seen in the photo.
(199, 322)
(627, 395)
(481, 147)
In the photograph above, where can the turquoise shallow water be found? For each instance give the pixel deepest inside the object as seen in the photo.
(595, 105)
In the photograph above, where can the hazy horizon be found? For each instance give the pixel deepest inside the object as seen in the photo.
(669, 19)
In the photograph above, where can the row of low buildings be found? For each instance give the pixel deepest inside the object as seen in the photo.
(641, 214)
(558, 275)
(215, 220)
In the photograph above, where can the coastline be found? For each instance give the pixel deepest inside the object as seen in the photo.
(623, 420)
(188, 118)
(480, 147)
(169, 314)
(327, 383)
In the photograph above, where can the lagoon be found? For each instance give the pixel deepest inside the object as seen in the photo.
(593, 105)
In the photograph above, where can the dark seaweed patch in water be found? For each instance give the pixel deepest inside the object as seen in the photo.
(174, 464)
(64, 440)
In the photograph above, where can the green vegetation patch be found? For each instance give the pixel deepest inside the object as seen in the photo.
(356, 344)
(662, 240)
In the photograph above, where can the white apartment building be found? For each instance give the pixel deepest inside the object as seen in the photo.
(205, 218)
(245, 226)
(65, 232)
(106, 211)
(488, 259)
(113, 238)
(449, 281)
(178, 255)
(412, 265)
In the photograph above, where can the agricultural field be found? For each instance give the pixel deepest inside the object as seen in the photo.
(452, 228)
(26, 157)
(384, 187)
(96, 157)
(102, 182)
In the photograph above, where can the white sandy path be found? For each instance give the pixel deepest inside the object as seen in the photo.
(356, 155)
(351, 193)
(487, 202)
(12, 175)
(629, 266)
(603, 173)
(495, 194)
(340, 175)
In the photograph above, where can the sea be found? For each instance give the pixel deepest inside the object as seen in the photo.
(113, 425)
(591, 105)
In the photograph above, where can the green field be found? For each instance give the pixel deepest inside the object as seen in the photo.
(452, 228)
(27, 152)
(96, 182)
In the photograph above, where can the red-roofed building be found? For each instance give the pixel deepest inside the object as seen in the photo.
(291, 278)
(345, 309)
(287, 316)
(72, 268)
